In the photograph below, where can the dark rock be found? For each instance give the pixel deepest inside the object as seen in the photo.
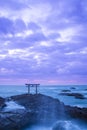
(38, 109)
(76, 95)
(2, 102)
(73, 88)
(66, 90)
(76, 112)
(45, 107)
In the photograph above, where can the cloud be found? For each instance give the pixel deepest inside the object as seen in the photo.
(6, 25)
(33, 26)
(19, 25)
(12, 4)
(43, 40)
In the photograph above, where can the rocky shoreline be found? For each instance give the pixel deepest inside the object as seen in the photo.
(38, 108)
(76, 95)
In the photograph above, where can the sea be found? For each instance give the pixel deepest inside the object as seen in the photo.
(53, 91)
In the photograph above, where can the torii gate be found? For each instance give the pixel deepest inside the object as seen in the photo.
(32, 85)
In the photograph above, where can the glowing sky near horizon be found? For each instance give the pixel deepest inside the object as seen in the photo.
(43, 41)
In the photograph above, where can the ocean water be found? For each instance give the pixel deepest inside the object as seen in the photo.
(53, 91)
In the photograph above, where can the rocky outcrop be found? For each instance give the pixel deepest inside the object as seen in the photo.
(76, 95)
(44, 107)
(2, 102)
(73, 88)
(38, 109)
(66, 90)
(76, 112)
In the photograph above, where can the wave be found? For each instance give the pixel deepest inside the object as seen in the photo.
(65, 125)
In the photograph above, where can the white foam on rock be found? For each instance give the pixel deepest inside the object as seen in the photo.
(11, 105)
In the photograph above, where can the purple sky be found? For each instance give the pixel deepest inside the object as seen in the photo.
(43, 41)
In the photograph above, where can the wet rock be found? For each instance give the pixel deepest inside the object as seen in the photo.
(15, 120)
(73, 88)
(38, 109)
(76, 95)
(76, 112)
(65, 90)
(45, 107)
(2, 102)
(10, 120)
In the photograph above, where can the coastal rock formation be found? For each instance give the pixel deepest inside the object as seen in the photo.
(38, 108)
(44, 107)
(76, 95)
(76, 112)
(12, 120)
(66, 90)
(73, 88)
(2, 102)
